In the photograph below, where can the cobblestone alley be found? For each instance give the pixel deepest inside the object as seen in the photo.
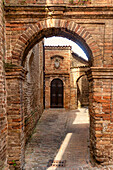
(60, 135)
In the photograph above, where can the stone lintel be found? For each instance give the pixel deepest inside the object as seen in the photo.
(100, 73)
(15, 72)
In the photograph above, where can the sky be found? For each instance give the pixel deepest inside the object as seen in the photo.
(55, 41)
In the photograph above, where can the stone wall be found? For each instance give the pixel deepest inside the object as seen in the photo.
(33, 88)
(3, 118)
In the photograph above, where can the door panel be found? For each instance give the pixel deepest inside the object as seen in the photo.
(56, 93)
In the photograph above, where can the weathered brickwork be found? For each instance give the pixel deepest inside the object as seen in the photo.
(33, 89)
(71, 71)
(3, 118)
(70, 2)
(33, 31)
(26, 23)
(62, 54)
(79, 88)
(24, 103)
(15, 115)
(100, 97)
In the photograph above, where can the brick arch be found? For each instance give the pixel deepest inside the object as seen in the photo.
(56, 77)
(55, 27)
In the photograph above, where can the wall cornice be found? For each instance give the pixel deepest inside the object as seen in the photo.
(57, 47)
(100, 73)
(58, 10)
(17, 72)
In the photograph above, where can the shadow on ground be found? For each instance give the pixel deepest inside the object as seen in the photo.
(60, 135)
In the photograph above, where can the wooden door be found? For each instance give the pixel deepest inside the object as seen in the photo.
(57, 93)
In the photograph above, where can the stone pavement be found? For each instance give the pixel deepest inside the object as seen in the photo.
(60, 135)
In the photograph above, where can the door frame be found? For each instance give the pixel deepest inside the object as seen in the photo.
(57, 96)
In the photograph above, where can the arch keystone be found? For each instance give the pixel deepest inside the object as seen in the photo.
(50, 23)
(57, 23)
(70, 25)
(62, 23)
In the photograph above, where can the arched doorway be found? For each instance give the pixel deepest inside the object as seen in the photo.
(56, 93)
(82, 91)
(34, 34)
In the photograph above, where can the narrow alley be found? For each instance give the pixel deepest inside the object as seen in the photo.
(60, 141)
(59, 135)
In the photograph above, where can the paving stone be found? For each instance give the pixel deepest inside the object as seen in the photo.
(60, 135)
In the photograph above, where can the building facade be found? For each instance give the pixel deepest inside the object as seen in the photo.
(23, 24)
(62, 65)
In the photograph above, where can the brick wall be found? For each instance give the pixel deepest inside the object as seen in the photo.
(92, 28)
(100, 109)
(71, 2)
(33, 99)
(22, 96)
(15, 115)
(63, 72)
(64, 62)
(3, 119)
(21, 32)
(78, 82)
(72, 67)
(79, 87)
(84, 91)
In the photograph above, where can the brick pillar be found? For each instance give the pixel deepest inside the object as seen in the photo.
(101, 114)
(14, 81)
(3, 119)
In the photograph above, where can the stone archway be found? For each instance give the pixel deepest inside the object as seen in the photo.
(82, 91)
(100, 112)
